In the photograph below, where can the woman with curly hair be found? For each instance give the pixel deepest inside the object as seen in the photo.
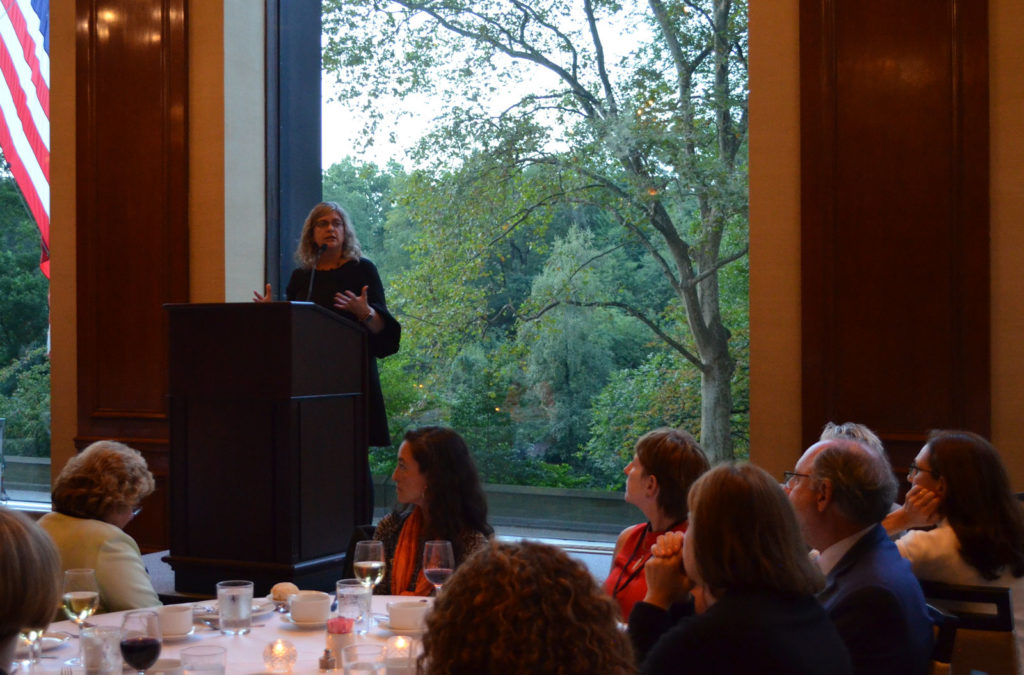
(96, 494)
(439, 497)
(959, 484)
(753, 607)
(665, 464)
(29, 581)
(524, 608)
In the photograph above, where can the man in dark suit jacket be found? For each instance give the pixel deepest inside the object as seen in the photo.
(841, 490)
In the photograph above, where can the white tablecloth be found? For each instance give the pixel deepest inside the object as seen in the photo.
(244, 652)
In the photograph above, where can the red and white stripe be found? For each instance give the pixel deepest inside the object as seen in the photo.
(25, 110)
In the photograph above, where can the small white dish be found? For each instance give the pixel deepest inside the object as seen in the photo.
(179, 637)
(48, 642)
(287, 618)
(408, 632)
(210, 610)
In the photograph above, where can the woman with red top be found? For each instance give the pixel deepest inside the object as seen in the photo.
(666, 462)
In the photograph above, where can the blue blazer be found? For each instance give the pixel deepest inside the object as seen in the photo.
(876, 604)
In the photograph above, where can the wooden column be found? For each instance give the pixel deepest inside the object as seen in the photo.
(895, 217)
(132, 226)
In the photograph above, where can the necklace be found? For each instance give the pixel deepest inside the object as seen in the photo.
(635, 564)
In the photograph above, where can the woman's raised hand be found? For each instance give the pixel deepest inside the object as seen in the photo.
(354, 304)
(267, 297)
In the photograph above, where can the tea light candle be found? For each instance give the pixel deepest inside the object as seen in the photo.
(399, 655)
(279, 656)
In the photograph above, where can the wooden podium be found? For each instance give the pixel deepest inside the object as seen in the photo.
(268, 426)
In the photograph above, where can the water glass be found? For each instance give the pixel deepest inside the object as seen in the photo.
(204, 659)
(234, 603)
(101, 650)
(354, 603)
(364, 657)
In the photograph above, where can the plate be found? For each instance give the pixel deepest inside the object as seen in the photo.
(48, 642)
(411, 632)
(287, 618)
(208, 610)
(178, 637)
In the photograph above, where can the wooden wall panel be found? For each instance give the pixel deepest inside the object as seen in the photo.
(132, 227)
(894, 180)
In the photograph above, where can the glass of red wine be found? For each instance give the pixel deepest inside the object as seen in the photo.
(140, 639)
(438, 562)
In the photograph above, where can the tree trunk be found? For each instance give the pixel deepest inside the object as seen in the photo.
(716, 404)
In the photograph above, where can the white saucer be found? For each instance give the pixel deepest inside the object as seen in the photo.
(411, 632)
(46, 643)
(287, 618)
(178, 637)
(260, 606)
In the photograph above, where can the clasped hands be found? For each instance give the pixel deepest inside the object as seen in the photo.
(667, 581)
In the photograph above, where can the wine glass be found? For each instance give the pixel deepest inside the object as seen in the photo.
(438, 562)
(33, 638)
(140, 639)
(80, 599)
(368, 562)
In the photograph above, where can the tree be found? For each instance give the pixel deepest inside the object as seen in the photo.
(655, 139)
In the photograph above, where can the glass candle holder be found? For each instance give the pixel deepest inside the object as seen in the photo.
(279, 656)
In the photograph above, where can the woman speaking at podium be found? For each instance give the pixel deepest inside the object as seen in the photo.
(333, 273)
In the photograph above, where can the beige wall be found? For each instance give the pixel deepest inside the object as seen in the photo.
(775, 222)
(63, 375)
(774, 235)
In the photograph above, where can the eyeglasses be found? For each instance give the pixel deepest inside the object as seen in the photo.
(788, 477)
(914, 469)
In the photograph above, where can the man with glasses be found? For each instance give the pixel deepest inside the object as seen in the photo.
(841, 491)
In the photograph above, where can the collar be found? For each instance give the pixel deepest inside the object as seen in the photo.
(834, 553)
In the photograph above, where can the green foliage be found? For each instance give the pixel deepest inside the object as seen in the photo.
(24, 367)
(25, 404)
(574, 233)
(663, 391)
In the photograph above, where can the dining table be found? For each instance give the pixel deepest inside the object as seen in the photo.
(245, 653)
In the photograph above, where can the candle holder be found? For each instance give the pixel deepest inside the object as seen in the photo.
(279, 656)
(400, 654)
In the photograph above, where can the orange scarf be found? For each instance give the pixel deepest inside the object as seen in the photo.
(407, 555)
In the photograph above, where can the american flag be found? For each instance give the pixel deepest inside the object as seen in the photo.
(25, 106)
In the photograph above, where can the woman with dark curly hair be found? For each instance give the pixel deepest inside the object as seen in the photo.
(29, 581)
(959, 484)
(439, 497)
(524, 608)
(753, 607)
(665, 464)
(96, 494)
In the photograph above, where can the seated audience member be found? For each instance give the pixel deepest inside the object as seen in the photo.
(96, 494)
(854, 432)
(439, 497)
(29, 581)
(841, 490)
(752, 583)
(959, 484)
(665, 464)
(524, 608)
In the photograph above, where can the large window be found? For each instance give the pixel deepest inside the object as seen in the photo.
(24, 362)
(555, 194)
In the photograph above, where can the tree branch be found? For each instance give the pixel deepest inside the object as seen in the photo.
(609, 93)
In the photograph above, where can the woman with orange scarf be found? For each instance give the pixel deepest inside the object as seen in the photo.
(439, 497)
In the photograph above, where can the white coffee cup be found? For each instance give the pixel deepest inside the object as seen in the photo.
(309, 606)
(407, 614)
(175, 619)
